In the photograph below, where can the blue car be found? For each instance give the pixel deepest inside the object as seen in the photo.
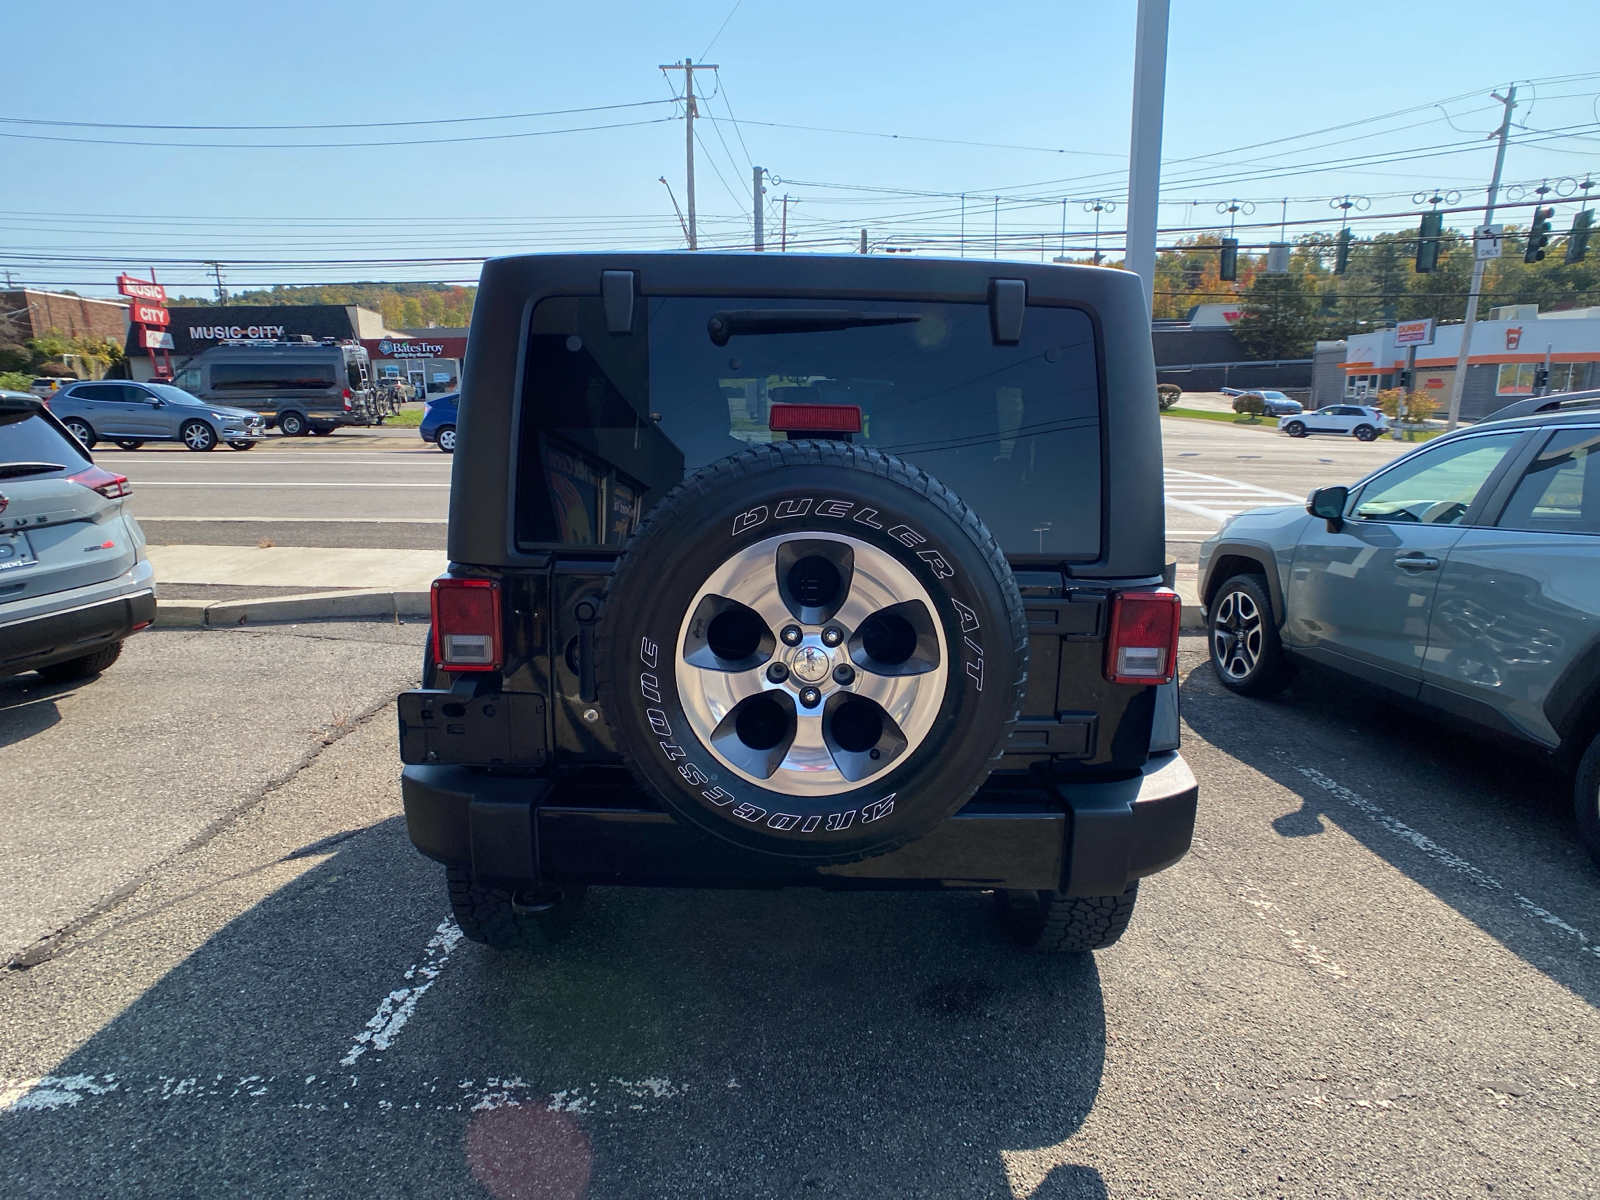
(439, 422)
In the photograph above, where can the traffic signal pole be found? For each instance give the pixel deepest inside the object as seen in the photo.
(1144, 152)
(1509, 100)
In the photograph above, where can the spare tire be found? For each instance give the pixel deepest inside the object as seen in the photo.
(813, 650)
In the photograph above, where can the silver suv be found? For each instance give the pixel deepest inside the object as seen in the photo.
(1462, 579)
(74, 579)
(131, 414)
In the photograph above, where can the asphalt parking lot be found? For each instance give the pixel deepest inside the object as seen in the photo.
(1377, 974)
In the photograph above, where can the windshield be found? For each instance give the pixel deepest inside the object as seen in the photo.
(610, 423)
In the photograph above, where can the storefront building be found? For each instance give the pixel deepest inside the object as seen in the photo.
(193, 329)
(428, 359)
(1506, 351)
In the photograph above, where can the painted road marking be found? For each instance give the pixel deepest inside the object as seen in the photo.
(1216, 498)
(395, 1009)
(1446, 858)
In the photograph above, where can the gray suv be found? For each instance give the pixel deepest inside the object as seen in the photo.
(131, 414)
(1462, 579)
(74, 579)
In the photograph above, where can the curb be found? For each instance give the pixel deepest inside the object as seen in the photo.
(316, 606)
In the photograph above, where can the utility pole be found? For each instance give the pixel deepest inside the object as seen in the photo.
(756, 206)
(689, 67)
(1144, 152)
(1509, 100)
(863, 247)
(222, 292)
(783, 243)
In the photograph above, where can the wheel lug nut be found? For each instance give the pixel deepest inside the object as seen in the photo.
(791, 635)
(777, 672)
(810, 697)
(832, 635)
(845, 674)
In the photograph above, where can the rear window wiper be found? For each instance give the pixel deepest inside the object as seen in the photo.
(734, 322)
(13, 470)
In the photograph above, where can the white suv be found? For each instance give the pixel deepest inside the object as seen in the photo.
(1358, 420)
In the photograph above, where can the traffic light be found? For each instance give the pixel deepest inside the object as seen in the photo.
(1341, 252)
(1407, 380)
(1578, 239)
(1229, 270)
(1428, 241)
(1538, 235)
(1541, 379)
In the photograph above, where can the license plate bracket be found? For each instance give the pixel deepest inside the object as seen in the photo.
(15, 552)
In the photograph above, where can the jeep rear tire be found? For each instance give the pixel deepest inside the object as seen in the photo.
(1050, 923)
(504, 920)
(813, 650)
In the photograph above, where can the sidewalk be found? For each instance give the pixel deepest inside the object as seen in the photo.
(349, 582)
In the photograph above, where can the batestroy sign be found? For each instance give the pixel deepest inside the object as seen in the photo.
(218, 333)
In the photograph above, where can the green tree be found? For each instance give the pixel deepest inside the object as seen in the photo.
(1279, 318)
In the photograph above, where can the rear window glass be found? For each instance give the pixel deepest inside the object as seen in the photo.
(610, 423)
(272, 376)
(28, 438)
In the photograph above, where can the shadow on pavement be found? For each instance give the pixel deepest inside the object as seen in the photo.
(1498, 825)
(28, 706)
(677, 1043)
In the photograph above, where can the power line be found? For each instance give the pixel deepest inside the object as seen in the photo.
(487, 137)
(554, 112)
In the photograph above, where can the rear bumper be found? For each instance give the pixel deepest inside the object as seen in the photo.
(1086, 839)
(43, 639)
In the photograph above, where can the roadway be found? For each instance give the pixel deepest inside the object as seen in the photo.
(388, 489)
(1376, 974)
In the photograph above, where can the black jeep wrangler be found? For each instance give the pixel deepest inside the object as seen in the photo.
(776, 570)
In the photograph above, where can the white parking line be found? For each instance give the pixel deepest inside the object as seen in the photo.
(398, 1006)
(1445, 857)
(1216, 498)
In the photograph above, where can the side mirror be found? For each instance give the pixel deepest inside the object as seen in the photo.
(158, 402)
(1328, 503)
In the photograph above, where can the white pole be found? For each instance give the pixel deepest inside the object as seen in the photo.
(1144, 151)
(1459, 383)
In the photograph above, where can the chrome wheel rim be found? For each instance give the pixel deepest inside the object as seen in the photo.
(1236, 635)
(806, 688)
(447, 440)
(81, 432)
(197, 437)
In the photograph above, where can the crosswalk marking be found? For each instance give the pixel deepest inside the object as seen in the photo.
(1216, 498)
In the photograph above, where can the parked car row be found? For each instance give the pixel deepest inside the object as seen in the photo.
(1462, 579)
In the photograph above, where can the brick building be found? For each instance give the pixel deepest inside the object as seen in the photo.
(25, 313)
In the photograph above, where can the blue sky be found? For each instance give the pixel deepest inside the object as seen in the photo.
(1052, 76)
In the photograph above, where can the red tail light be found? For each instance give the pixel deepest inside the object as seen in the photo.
(1143, 644)
(814, 418)
(112, 487)
(347, 399)
(466, 624)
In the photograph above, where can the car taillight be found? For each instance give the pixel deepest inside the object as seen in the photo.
(466, 624)
(112, 487)
(347, 399)
(1143, 643)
